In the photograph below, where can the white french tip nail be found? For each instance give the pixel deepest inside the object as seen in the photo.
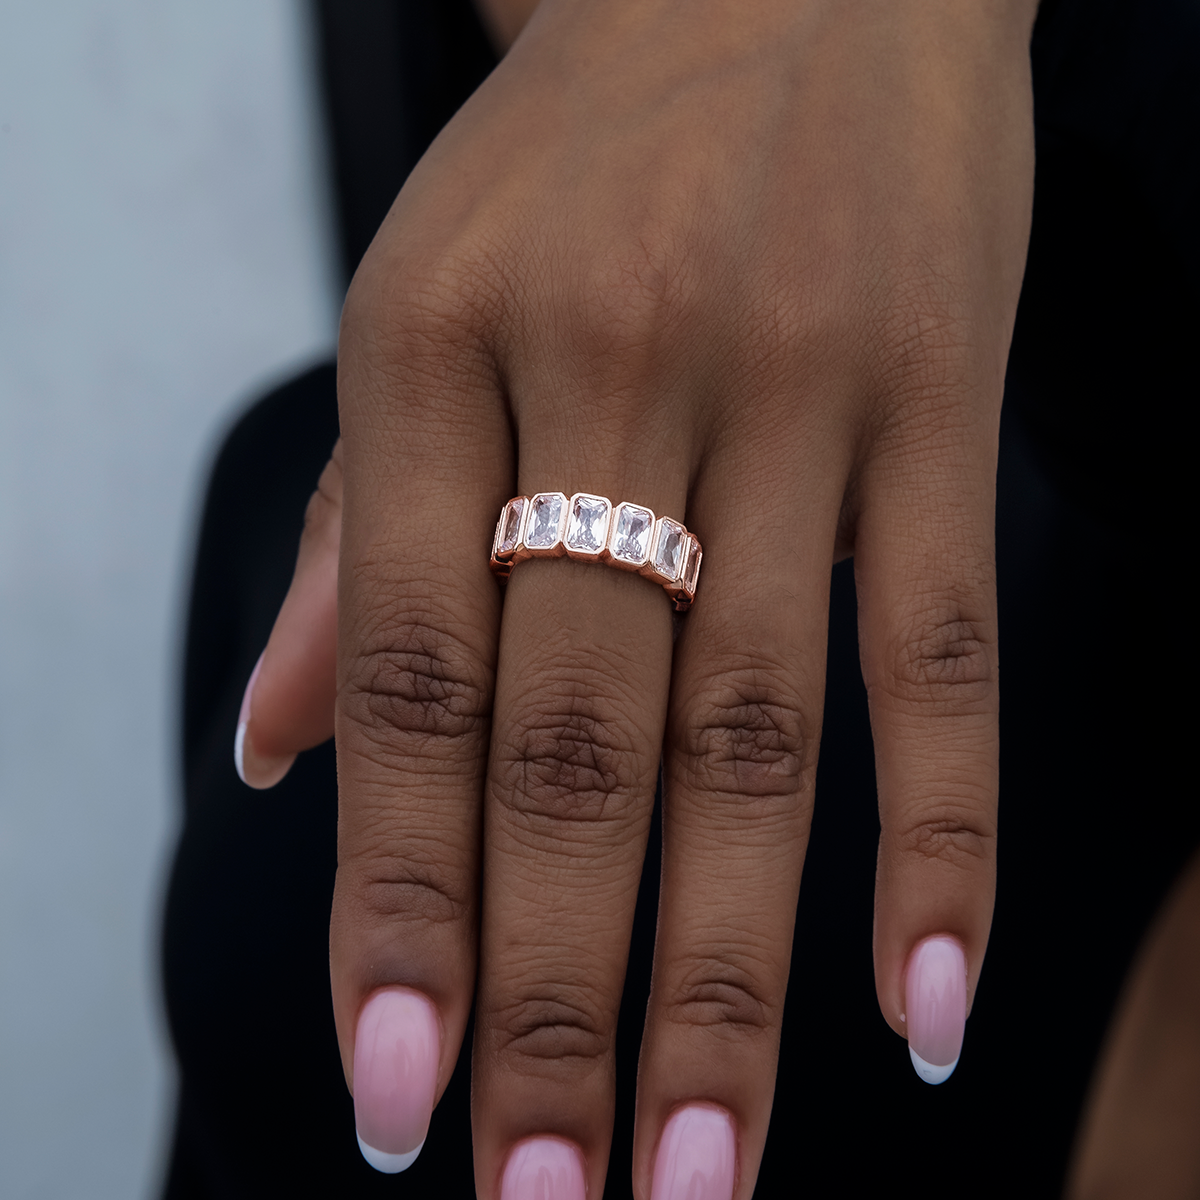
(931, 1072)
(389, 1164)
(239, 743)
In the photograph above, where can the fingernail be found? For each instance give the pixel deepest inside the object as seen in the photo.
(255, 770)
(936, 1000)
(697, 1156)
(395, 1077)
(544, 1169)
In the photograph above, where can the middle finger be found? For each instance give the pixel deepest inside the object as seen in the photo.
(584, 670)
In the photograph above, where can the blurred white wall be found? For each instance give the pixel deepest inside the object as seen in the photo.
(165, 252)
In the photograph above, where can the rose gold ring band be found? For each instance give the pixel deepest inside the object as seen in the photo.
(592, 528)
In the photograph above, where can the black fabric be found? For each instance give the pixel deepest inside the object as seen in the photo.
(1094, 824)
(1110, 298)
(394, 72)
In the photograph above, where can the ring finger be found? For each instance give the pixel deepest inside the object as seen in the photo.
(740, 761)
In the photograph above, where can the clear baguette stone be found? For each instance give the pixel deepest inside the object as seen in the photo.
(667, 546)
(587, 526)
(630, 542)
(510, 525)
(545, 520)
(590, 527)
(691, 570)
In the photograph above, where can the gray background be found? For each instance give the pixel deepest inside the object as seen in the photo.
(165, 253)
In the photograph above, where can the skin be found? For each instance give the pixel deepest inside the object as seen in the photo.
(757, 268)
(504, 19)
(1138, 1136)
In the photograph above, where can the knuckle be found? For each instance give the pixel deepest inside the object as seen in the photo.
(319, 515)
(323, 513)
(443, 298)
(399, 889)
(566, 762)
(958, 837)
(926, 338)
(627, 303)
(330, 482)
(945, 658)
(550, 1027)
(926, 360)
(747, 736)
(717, 993)
(411, 319)
(429, 287)
(422, 686)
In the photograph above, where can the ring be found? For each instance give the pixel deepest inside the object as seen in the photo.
(593, 529)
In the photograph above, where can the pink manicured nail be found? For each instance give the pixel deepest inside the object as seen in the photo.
(255, 770)
(395, 1077)
(544, 1169)
(936, 1000)
(239, 738)
(697, 1156)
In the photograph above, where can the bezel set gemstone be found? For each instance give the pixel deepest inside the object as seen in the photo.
(544, 523)
(691, 570)
(589, 527)
(666, 550)
(629, 542)
(508, 528)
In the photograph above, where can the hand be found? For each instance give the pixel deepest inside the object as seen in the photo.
(755, 267)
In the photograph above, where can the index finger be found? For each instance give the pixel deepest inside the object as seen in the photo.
(428, 462)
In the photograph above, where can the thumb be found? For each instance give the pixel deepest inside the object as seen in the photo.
(289, 701)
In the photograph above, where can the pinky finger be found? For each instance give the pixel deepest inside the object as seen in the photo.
(928, 624)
